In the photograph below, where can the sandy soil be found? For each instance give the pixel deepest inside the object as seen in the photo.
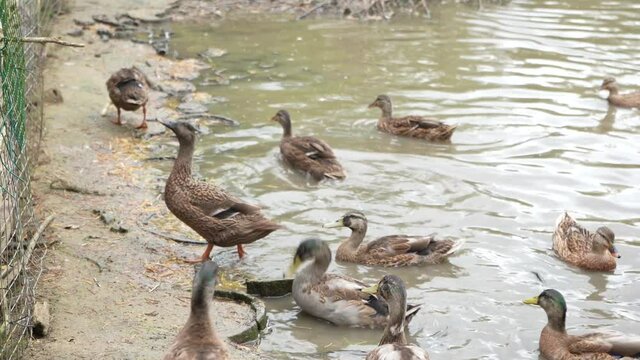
(113, 294)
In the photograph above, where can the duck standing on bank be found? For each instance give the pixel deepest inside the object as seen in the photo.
(412, 125)
(198, 340)
(629, 100)
(556, 344)
(129, 90)
(393, 344)
(577, 246)
(390, 250)
(333, 297)
(307, 153)
(219, 217)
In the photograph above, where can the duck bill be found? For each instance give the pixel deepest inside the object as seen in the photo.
(335, 224)
(371, 290)
(295, 265)
(168, 123)
(614, 252)
(531, 301)
(372, 105)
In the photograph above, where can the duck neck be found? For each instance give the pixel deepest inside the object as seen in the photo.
(394, 332)
(557, 321)
(286, 126)
(314, 271)
(182, 165)
(613, 89)
(353, 243)
(386, 111)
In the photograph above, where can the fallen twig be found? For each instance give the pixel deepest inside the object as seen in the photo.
(179, 239)
(61, 184)
(12, 271)
(42, 40)
(222, 119)
(313, 9)
(96, 263)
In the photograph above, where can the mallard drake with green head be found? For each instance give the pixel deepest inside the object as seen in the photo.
(391, 250)
(629, 100)
(411, 126)
(556, 344)
(129, 90)
(332, 297)
(577, 246)
(198, 340)
(393, 344)
(307, 153)
(219, 217)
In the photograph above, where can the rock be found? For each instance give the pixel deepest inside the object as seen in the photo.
(53, 96)
(75, 32)
(119, 228)
(145, 15)
(211, 53)
(269, 288)
(176, 87)
(154, 129)
(192, 108)
(104, 19)
(85, 23)
(104, 34)
(198, 97)
(107, 217)
(41, 319)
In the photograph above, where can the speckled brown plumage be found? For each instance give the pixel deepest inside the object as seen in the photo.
(576, 245)
(393, 344)
(128, 89)
(307, 153)
(629, 100)
(219, 217)
(391, 250)
(410, 126)
(556, 344)
(198, 340)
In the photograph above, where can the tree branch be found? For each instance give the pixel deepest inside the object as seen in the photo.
(43, 40)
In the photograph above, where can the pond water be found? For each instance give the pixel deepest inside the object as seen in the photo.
(535, 137)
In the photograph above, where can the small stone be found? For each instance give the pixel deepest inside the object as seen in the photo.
(119, 228)
(75, 33)
(211, 53)
(41, 319)
(53, 96)
(192, 108)
(107, 217)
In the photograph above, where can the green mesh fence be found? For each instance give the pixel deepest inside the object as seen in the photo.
(20, 134)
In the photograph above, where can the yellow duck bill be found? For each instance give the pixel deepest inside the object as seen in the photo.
(335, 224)
(371, 289)
(531, 301)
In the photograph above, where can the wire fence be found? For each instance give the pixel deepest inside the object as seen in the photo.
(21, 119)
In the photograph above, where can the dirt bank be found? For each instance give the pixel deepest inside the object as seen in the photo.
(116, 290)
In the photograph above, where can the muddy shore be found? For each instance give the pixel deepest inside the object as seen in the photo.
(116, 289)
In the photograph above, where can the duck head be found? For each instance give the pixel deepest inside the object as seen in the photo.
(354, 220)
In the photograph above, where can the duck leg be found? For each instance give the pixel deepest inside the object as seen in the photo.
(203, 258)
(241, 252)
(118, 122)
(144, 118)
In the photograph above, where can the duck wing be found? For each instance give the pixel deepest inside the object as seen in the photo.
(215, 200)
(309, 147)
(613, 344)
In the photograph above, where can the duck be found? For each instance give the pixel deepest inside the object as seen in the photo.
(198, 339)
(216, 215)
(629, 100)
(556, 344)
(577, 246)
(393, 344)
(307, 153)
(129, 90)
(390, 250)
(412, 125)
(335, 298)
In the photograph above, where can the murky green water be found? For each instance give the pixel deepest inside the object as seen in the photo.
(534, 139)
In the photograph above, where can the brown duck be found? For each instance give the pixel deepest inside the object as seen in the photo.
(410, 126)
(391, 250)
(198, 340)
(576, 245)
(219, 217)
(557, 344)
(307, 153)
(128, 89)
(630, 100)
